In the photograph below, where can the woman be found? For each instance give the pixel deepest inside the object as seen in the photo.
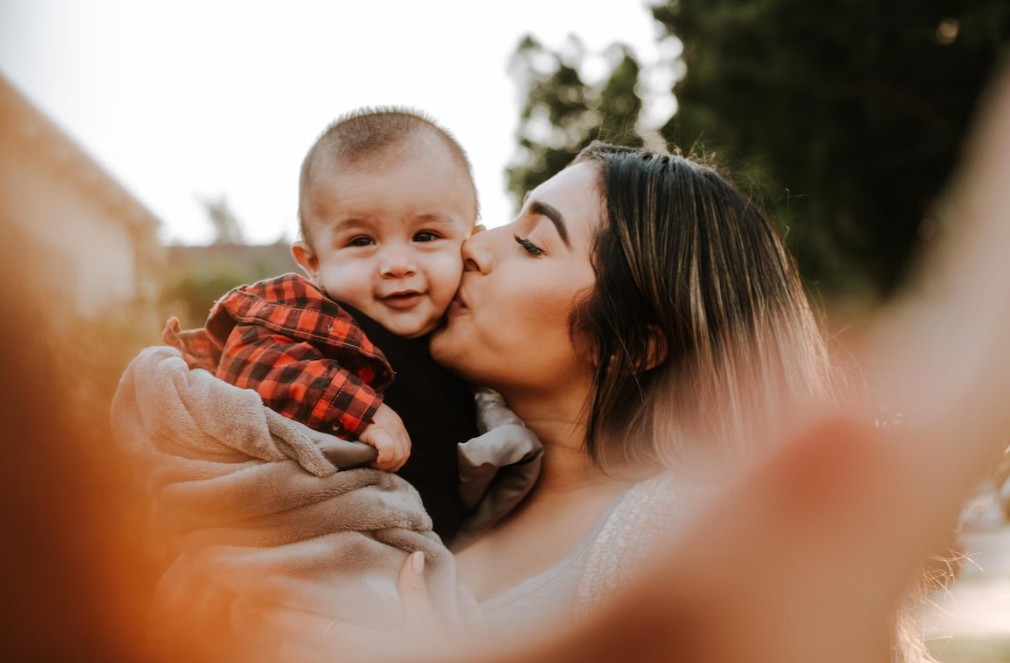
(642, 317)
(644, 320)
(807, 556)
(802, 559)
(639, 315)
(638, 300)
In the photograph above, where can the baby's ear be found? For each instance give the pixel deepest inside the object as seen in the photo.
(306, 258)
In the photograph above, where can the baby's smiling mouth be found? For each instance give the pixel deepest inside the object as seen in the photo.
(402, 298)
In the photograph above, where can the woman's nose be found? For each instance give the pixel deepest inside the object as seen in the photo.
(396, 262)
(477, 252)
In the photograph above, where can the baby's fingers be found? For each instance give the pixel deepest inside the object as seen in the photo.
(385, 447)
(400, 451)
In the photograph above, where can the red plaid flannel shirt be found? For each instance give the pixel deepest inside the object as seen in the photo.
(305, 356)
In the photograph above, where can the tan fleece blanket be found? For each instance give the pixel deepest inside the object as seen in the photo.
(258, 513)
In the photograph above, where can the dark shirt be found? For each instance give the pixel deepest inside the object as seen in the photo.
(438, 411)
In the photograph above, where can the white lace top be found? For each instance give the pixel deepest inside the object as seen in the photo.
(605, 559)
(549, 596)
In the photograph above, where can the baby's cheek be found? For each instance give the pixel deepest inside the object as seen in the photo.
(445, 273)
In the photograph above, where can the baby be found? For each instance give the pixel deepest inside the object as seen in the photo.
(386, 199)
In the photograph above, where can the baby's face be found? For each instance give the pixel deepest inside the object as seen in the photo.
(387, 240)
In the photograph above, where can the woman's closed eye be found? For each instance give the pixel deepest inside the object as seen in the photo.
(528, 246)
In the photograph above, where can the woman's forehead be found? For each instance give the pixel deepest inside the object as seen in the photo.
(574, 194)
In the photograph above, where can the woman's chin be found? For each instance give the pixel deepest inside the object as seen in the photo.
(445, 343)
(454, 346)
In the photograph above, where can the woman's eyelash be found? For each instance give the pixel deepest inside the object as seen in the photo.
(528, 246)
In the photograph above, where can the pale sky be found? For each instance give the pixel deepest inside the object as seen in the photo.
(190, 98)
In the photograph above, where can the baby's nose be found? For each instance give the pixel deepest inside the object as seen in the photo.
(396, 263)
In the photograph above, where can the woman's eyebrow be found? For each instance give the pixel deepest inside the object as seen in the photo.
(543, 209)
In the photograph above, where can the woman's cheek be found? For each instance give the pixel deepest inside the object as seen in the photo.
(535, 322)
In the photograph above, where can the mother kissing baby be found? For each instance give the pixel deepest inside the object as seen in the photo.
(639, 312)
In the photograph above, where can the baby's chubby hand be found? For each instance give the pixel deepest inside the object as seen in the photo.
(387, 434)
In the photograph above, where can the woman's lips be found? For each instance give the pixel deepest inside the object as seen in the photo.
(457, 304)
(402, 300)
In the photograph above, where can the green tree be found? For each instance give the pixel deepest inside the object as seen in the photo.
(196, 276)
(844, 117)
(562, 113)
(850, 113)
(191, 293)
(227, 228)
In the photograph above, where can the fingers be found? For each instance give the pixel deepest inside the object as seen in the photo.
(392, 450)
(389, 437)
(418, 612)
(384, 449)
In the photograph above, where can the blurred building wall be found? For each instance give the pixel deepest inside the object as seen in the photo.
(94, 245)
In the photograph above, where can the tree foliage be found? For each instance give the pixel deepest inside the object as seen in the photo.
(563, 113)
(843, 117)
(227, 227)
(853, 109)
(196, 276)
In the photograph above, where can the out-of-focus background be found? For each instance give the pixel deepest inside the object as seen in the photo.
(149, 154)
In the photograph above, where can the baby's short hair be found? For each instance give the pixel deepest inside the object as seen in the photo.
(369, 135)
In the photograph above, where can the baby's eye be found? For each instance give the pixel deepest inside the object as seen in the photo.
(425, 236)
(528, 246)
(361, 240)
